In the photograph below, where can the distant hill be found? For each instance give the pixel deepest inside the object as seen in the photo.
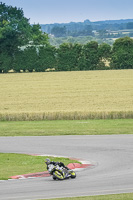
(120, 21)
(85, 28)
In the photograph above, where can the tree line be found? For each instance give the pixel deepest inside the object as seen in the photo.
(24, 47)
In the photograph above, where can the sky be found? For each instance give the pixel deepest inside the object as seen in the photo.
(65, 11)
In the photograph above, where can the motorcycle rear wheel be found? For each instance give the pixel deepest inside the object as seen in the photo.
(73, 174)
(54, 178)
(57, 175)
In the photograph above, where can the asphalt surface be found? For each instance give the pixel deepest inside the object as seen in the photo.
(112, 174)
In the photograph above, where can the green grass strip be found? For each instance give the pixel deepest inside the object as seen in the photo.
(12, 164)
(128, 196)
(66, 127)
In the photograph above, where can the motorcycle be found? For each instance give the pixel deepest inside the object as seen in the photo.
(60, 173)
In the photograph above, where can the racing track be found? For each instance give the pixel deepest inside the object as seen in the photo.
(113, 173)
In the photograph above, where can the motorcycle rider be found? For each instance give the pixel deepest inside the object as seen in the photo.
(60, 164)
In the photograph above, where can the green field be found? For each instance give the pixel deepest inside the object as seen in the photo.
(18, 164)
(128, 196)
(66, 95)
(66, 127)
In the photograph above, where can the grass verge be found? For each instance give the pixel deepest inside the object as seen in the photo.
(17, 164)
(66, 127)
(128, 196)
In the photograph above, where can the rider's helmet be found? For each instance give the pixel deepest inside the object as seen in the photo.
(47, 161)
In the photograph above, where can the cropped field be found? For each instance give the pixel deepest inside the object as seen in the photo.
(66, 95)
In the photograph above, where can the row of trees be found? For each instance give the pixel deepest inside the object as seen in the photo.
(67, 57)
(25, 47)
(70, 57)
